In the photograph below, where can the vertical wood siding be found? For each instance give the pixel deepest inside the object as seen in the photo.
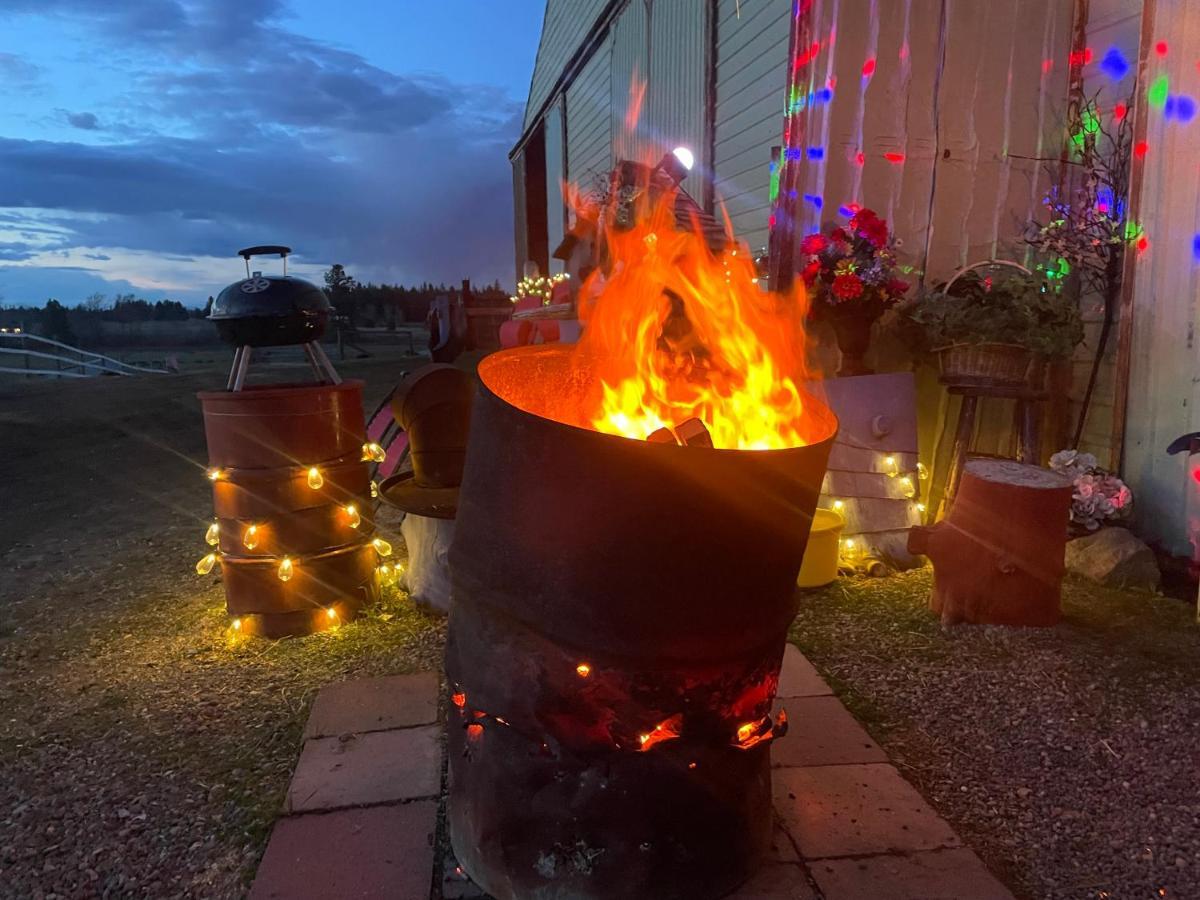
(751, 81)
(926, 100)
(564, 27)
(589, 119)
(1111, 23)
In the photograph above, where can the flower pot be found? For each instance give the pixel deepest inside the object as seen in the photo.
(853, 330)
(993, 364)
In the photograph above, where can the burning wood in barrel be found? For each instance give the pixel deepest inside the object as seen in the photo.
(621, 599)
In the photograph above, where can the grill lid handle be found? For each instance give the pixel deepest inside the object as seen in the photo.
(265, 250)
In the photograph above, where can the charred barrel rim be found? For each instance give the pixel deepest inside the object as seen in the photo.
(512, 358)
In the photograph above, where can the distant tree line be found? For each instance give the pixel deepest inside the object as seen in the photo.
(90, 323)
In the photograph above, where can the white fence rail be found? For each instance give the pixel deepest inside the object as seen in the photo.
(58, 360)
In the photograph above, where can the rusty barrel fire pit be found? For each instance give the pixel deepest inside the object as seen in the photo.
(619, 619)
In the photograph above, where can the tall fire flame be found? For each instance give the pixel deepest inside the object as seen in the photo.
(675, 331)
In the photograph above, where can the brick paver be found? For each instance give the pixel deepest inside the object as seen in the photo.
(374, 704)
(822, 732)
(846, 820)
(383, 852)
(376, 767)
(798, 677)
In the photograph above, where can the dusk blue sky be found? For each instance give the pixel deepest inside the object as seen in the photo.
(142, 142)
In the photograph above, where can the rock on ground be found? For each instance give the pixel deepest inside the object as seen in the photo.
(1114, 558)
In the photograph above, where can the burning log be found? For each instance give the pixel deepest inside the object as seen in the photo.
(611, 724)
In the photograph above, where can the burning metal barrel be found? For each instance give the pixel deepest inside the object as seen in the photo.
(620, 612)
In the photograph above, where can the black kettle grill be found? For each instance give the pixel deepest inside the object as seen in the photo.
(272, 311)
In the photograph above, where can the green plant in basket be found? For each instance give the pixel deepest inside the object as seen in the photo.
(1019, 310)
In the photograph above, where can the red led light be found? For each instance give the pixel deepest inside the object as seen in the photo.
(894, 157)
(860, 158)
(1196, 475)
(1140, 149)
(1161, 48)
(1047, 65)
(869, 67)
(1119, 111)
(1143, 244)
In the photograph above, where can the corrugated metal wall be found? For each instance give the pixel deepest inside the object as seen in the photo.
(564, 27)
(674, 114)
(589, 119)
(1164, 385)
(629, 68)
(555, 170)
(751, 70)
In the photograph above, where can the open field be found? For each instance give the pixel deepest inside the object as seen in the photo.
(143, 750)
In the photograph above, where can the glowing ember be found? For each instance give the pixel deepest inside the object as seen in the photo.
(583, 670)
(676, 332)
(666, 730)
(459, 699)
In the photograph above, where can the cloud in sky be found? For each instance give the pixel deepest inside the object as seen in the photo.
(217, 127)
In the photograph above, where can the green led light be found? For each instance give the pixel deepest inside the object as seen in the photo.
(1157, 95)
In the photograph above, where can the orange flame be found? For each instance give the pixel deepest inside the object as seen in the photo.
(677, 332)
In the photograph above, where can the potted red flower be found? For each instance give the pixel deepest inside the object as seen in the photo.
(852, 274)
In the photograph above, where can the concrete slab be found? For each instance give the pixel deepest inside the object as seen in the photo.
(798, 678)
(782, 848)
(374, 704)
(379, 767)
(821, 732)
(776, 881)
(384, 852)
(937, 875)
(856, 809)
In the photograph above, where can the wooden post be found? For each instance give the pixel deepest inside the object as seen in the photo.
(998, 554)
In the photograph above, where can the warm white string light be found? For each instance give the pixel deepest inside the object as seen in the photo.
(315, 479)
(213, 535)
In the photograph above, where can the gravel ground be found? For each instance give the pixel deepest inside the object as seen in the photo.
(144, 749)
(1069, 758)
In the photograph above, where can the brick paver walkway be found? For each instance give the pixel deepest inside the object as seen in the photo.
(361, 813)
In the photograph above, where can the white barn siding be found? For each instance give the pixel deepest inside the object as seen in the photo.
(564, 27)
(751, 75)
(629, 40)
(589, 119)
(1164, 385)
(674, 113)
(556, 207)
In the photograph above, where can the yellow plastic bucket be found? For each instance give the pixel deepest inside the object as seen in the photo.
(820, 565)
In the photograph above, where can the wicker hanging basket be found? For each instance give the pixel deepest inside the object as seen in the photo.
(989, 363)
(1006, 364)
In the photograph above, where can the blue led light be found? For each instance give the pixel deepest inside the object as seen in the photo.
(794, 154)
(815, 200)
(824, 95)
(816, 152)
(1180, 107)
(1196, 248)
(1114, 64)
